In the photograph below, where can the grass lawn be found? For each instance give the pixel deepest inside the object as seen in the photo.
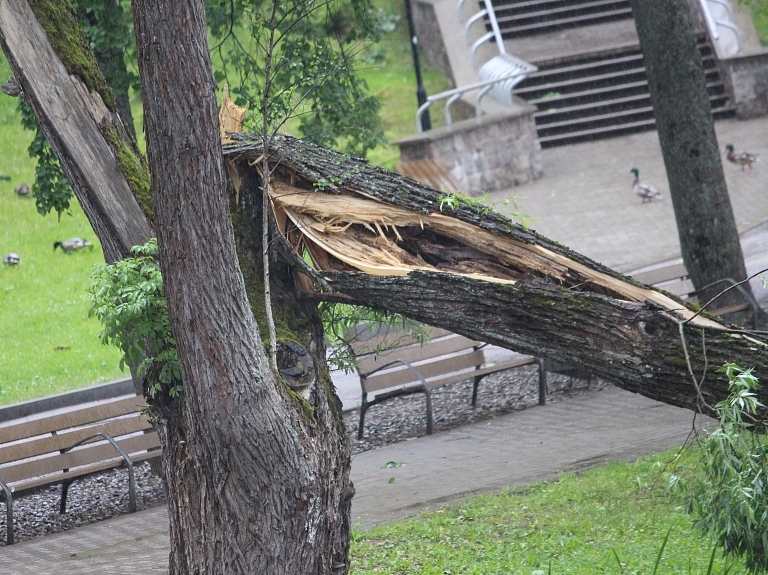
(574, 525)
(47, 342)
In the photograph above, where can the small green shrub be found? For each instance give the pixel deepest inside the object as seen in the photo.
(129, 300)
(729, 498)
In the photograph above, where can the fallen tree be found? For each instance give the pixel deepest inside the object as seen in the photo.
(257, 471)
(394, 243)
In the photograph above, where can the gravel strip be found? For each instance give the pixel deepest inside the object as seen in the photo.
(105, 495)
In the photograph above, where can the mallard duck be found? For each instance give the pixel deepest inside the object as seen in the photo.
(22, 190)
(11, 259)
(740, 158)
(646, 191)
(72, 245)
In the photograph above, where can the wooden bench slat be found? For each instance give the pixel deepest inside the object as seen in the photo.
(31, 484)
(416, 353)
(77, 458)
(49, 444)
(71, 419)
(664, 274)
(363, 347)
(450, 365)
(457, 377)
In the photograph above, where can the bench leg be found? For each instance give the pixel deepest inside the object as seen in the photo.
(8, 512)
(64, 490)
(363, 408)
(429, 409)
(542, 380)
(474, 391)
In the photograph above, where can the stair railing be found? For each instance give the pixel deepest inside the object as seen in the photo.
(453, 95)
(714, 25)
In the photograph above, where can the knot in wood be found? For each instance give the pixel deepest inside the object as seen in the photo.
(296, 365)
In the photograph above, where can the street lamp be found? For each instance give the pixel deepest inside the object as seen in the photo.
(421, 92)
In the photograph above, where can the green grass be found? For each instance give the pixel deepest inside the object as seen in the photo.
(47, 343)
(759, 9)
(393, 81)
(575, 525)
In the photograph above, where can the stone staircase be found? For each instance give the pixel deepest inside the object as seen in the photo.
(589, 95)
(603, 95)
(530, 17)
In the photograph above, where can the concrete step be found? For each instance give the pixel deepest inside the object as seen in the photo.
(526, 18)
(602, 95)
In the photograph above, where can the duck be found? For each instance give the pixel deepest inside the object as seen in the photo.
(646, 191)
(740, 158)
(72, 245)
(22, 190)
(11, 259)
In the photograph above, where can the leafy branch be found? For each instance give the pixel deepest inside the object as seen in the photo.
(129, 300)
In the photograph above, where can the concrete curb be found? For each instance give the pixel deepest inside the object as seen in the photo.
(67, 399)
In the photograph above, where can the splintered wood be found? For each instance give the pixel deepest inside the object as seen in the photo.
(351, 231)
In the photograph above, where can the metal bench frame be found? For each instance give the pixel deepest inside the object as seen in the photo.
(126, 461)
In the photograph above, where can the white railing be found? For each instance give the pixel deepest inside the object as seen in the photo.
(453, 95)
(722, 21)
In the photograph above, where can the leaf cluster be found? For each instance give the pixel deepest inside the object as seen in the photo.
(730, 498)
(453, 200)
(51, 188)
(129, 300)
(314, 45)
(344, 323)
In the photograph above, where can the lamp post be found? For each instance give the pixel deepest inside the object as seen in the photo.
(421, 92)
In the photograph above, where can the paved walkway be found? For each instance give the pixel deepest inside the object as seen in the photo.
(585, 198)
(517, 449)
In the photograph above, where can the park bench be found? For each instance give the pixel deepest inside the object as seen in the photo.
(404, 366)
(673, 277)
(68, 446)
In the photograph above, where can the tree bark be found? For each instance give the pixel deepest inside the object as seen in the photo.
(708, 237)
(257, 473)
(257, 476)
(75, 120)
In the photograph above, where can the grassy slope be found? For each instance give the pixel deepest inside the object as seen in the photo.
(47, 342)
(574, 524)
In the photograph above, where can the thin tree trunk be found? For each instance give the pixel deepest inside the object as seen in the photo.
(257, 476)
(705, 223)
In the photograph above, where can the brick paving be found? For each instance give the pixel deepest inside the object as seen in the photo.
(585, 198)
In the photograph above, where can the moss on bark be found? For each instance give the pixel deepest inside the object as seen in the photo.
(134, 168)
(59, 20)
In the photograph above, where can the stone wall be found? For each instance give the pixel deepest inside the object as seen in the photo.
(746, 77)
(485, 154)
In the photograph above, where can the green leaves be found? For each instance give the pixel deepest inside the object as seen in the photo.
(730, 500)
(51, 189)
(129, 300)
(313, 77)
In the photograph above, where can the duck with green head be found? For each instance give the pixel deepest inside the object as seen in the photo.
(646, 191)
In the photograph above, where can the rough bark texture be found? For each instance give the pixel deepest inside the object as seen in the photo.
(705, 223)
(257, 477)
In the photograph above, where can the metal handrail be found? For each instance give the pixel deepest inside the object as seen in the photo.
(713, 24)
(469, 23)
(455, 94)
(494, 33)
(459, 8)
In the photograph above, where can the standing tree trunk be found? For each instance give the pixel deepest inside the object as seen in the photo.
(257, 475)
(708, 236)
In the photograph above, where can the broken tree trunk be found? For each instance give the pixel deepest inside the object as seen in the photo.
(393, 243)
